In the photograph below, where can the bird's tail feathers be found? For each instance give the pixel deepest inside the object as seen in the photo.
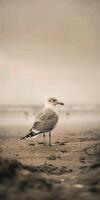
(32, 133)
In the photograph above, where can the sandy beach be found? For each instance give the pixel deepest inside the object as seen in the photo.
(71, 165)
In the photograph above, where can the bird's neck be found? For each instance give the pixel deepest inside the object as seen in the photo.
(49, 106)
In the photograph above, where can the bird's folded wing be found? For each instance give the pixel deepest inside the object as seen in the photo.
(45, 120)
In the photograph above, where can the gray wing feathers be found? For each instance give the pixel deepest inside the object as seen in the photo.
(45, 120)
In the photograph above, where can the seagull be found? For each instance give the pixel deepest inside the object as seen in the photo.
(45, 121)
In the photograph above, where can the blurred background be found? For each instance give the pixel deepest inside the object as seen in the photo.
(49, 48)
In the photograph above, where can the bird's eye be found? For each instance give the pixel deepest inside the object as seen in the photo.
(54, 100)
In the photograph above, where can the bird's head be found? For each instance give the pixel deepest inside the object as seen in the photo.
(52, 101)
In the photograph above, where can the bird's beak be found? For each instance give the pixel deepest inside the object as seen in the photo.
(60, 103)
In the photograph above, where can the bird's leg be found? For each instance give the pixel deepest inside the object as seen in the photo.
(44, 138)
(49, 138)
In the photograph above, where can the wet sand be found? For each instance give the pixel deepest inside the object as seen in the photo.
(69, 168)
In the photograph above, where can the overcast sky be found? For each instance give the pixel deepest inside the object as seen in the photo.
(49, 48)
